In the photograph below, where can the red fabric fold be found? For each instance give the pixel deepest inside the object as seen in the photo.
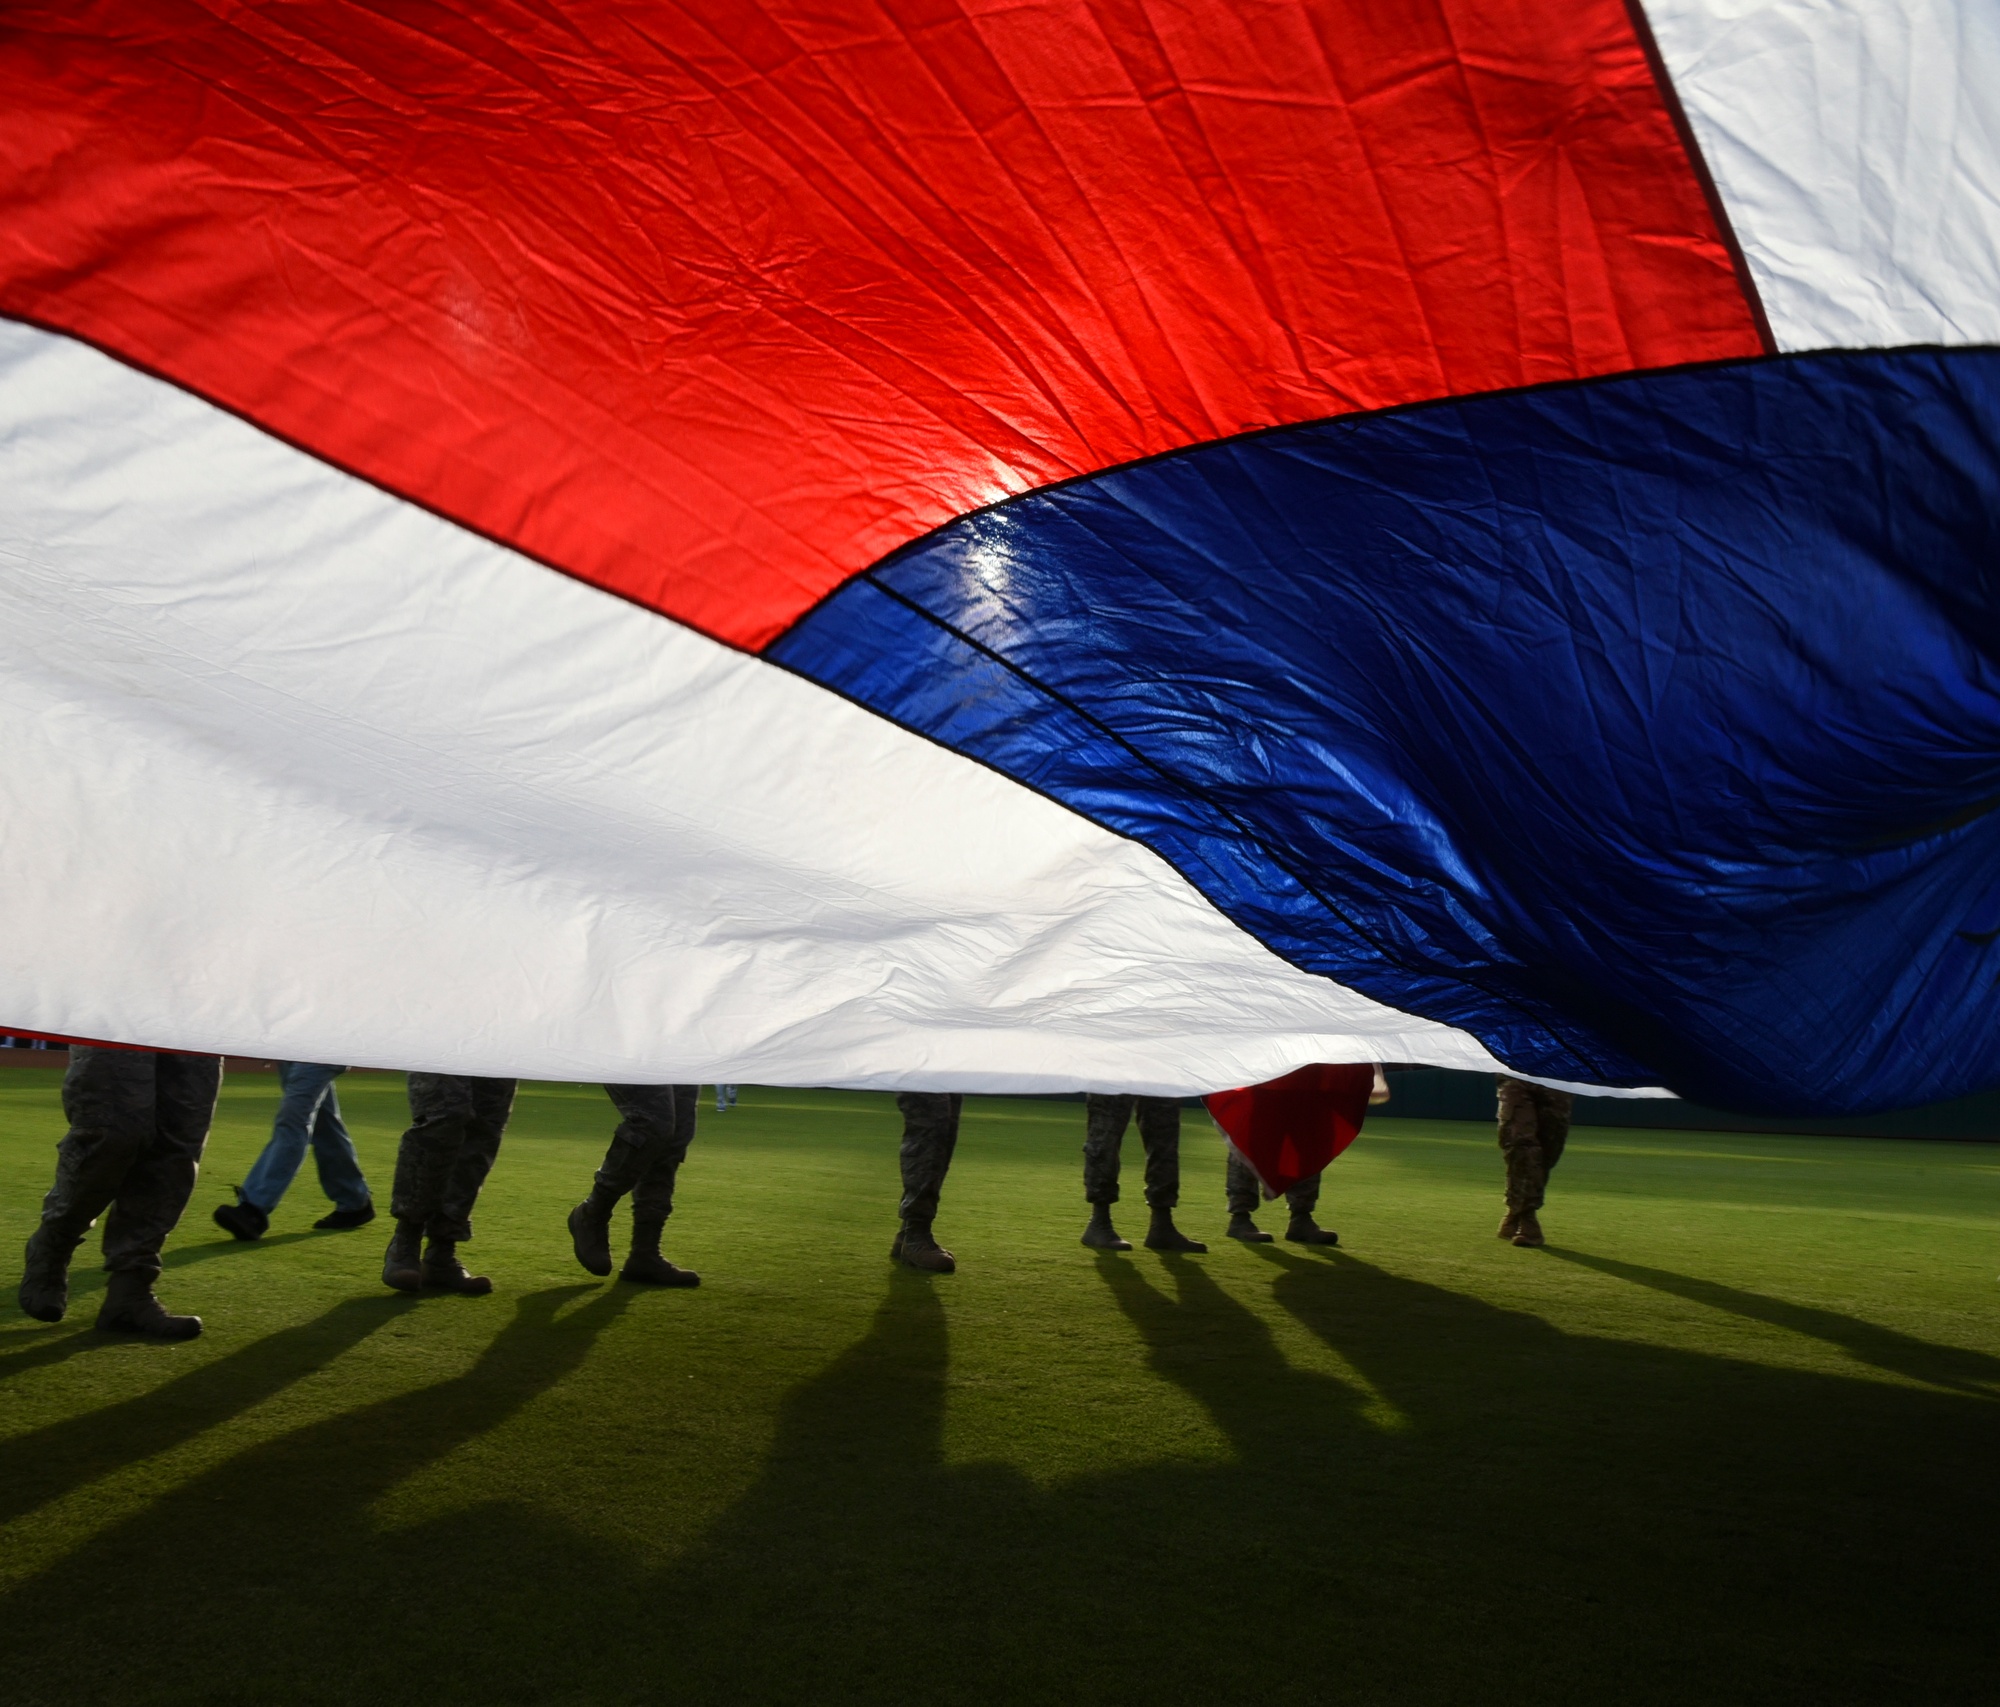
(1290, 1128)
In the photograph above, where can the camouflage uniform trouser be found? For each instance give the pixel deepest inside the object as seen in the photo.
(455, 1129)
(1104, 1122)
(930, 1134)
(1246, 1190)
(649, 1146)
(1534, 1126)
(138, 1122)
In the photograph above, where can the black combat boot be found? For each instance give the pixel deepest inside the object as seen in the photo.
(1242, 1227)
(1304, 1230)
(45, 1277)
(346, 1220)
(1100, 1235)
(443, 1270)
(402, 1268)
(590, 1232)
(646, 1266)
(242, 1219)
(1528, 1230)
(131, 1308)
(1163, 1235)
(917, 1247)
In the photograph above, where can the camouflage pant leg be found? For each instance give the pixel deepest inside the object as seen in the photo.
(138, 1124)
(930, 1134)
(647, 1150)
(1552, 1110)
(1241, 1185)
(1534, 1126)
(456, 1124)
(1160, 1131)
(1104, 1122)
(1246, 1190)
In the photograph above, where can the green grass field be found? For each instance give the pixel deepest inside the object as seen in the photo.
(1731, 1437)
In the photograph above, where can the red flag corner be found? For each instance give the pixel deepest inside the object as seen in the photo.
(1290, 1128)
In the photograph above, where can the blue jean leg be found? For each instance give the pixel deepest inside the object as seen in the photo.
(308, 1113)
(340, 1175)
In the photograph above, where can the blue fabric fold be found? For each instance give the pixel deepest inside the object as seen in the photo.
(1648, 729)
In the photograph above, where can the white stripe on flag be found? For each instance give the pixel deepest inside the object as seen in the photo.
(1856, 144)
(296, 769)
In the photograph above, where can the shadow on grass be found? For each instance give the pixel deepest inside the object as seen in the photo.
(37, 1347)
(182, 1256)
(1561, 1518)
(46, 1463)
(1884, 1348)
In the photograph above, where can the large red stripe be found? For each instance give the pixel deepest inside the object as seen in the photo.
(714, 304)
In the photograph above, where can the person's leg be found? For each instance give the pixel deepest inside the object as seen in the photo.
(643, 1158)
(1520, 1144)
(440, 1110)
(152, 1194)
(1552, 1112)
(1244, 1192)
(1160, 1132)
(660, 1164)
(1302, 1200)
(301, 1084)
(1104, 1122)
(1548, 1113)
(337, 1164)
(653, 1197)
(930, 1135)
(107, 1096)
(492, 1101)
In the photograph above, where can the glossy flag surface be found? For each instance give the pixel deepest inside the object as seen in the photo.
(1123, 544)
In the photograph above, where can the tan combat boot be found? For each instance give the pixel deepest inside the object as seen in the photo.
(1529, 1230)
(1510, 1223)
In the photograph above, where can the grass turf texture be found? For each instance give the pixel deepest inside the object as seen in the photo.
(1730, 1438)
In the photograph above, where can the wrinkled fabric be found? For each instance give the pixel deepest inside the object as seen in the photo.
(712, 306)
(1647, 730)
(1288, 1130)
